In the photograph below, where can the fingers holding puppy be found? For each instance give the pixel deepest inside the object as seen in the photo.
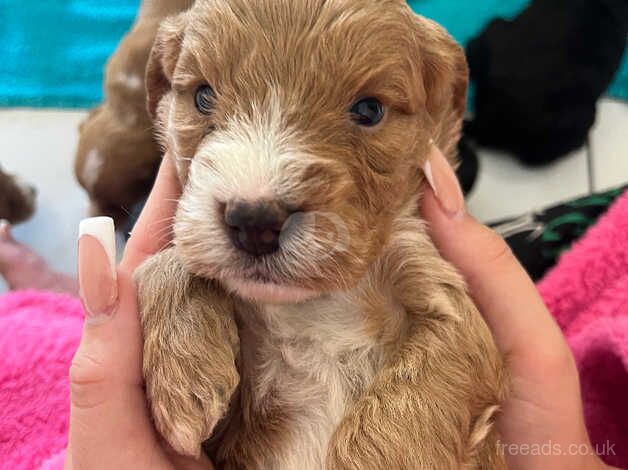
(107, 400)
(502, 290)
(545, 403)
(110, 422)
(153, 230)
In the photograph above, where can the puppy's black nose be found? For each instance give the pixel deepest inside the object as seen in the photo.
(255, 227)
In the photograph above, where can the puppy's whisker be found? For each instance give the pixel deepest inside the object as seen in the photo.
(164, 231)
(170, 219)
(207, 164)
(166, 228)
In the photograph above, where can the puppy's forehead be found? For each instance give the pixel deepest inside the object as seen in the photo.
(344, 48)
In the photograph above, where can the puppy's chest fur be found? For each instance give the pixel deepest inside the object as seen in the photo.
(302, 367)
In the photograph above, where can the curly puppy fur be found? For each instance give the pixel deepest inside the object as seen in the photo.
(355, 345)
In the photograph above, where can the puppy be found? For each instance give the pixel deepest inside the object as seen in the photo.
(543, 108)
(302, 318)
(17, 199)
(117, 156)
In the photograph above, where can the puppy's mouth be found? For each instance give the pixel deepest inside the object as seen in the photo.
(263, 251)
(263, 289)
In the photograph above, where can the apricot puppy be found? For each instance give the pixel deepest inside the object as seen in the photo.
(302, 318)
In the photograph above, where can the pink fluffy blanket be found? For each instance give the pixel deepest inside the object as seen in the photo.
(587, 292)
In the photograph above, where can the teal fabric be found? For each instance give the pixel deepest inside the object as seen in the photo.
(52, 52)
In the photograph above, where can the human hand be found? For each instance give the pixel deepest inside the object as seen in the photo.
(110, 423)
(544, 412)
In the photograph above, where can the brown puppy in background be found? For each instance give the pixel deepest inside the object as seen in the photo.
(303, 319)
(17, 199)
(117, 157)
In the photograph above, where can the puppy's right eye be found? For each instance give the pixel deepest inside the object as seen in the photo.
(367, 112)
(204, 99)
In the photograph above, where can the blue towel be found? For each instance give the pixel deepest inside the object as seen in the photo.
(52, 52)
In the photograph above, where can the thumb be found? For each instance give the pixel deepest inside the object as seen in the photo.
(108, 408)
(500, 287)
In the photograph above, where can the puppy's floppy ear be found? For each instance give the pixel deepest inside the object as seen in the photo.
(163, 60)
(445, 76)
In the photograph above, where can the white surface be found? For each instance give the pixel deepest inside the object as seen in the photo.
(506, 188)
(609, 145)
(39, 146)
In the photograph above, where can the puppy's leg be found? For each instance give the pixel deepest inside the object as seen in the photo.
(433, 405)
(190, 348)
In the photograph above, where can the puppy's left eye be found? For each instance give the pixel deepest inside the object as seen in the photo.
(204, 99)
(367, 112)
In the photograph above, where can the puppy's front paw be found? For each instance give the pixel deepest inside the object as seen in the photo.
(190, 349)
(186, 406)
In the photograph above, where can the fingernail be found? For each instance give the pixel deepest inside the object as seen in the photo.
(97, 267)
(443, 181)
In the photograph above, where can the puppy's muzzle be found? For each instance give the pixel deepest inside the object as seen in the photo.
(256, 227)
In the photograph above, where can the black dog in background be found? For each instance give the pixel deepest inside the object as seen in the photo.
(538, 77)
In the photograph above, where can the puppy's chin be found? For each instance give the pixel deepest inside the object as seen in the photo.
(269, 293)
